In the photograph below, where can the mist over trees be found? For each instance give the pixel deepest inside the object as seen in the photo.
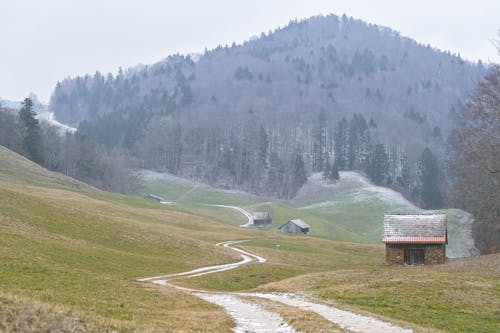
(322, 92)
(74, 155)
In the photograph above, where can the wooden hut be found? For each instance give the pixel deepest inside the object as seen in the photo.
(261, 219)
(415, 239)
(295, 227)
(154, 198)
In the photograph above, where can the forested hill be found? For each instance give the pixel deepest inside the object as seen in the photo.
(259, 116)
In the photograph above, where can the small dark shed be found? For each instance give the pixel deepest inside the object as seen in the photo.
(295, 226)
(262, 219)
(154, 198)
(415, 239)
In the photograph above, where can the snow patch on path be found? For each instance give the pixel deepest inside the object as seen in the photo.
(248, 317)
(247, 258)
(345, 319)
(242, 211)
(251, 317)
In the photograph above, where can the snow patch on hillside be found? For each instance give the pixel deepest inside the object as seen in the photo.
(48, 117)
(460, 239)
(352, 184)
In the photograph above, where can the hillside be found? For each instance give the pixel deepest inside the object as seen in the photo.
(68, 253)
(70, 260)
(15, 168)
(288, 102)
(351, 209)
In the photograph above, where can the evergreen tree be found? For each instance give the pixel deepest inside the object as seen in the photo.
(31, 131)
(299, 172)
(326, 170)
(379, 165)
(352, 151)
(341, 144)
(404, 178)
(263, 146)
(276, 175)
(331, 172)
(430, 179)
(319, 148)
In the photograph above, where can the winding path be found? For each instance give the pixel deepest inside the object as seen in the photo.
(242, 211)
(250, 317)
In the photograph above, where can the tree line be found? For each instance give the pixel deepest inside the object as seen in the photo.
(72, 154)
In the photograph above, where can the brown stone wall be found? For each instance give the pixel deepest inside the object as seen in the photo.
(394, 254)
(435, 254)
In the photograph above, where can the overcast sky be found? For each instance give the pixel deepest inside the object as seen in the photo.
(44, 41)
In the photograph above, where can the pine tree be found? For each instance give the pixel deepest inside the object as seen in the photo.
(379, 165)
(319, 146)
(331, 172)
(341, 144)
(404, 178)
(263, 147)
(299, 172)
(430, 193)
(31, 131)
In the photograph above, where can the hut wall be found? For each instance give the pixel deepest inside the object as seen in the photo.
(394, 254)
(262, 222)
(291, 228)
(435, 254)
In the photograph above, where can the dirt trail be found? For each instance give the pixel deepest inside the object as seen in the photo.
(242, 211)
(345, 319)
(250, 317)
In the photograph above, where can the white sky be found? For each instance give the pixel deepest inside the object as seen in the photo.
(43, 41)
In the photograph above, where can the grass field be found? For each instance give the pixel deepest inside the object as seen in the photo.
(71, 255)
(350, 210)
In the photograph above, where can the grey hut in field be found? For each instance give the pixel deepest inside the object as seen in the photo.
(295, 227)
(415, 239)
(262, 219)
(154, 198)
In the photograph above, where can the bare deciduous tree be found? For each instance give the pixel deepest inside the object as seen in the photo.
(476, 162)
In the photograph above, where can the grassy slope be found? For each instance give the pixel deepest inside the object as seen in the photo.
(71, 253)
(351, 210)
(460, 296)
(14, 168)
(64, 244)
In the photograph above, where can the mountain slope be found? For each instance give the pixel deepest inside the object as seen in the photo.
(76, 254)
(70, 260)
(15, 168)
(240, 116)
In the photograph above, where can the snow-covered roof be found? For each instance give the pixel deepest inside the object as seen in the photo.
(261, 215)
(417, 228)
(300, 223)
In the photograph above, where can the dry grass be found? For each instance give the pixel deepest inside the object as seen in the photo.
(460, 296)
(23, 314)
(63, 249)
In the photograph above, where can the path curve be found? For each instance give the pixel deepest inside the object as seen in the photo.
(251, 317)
(242, 211)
